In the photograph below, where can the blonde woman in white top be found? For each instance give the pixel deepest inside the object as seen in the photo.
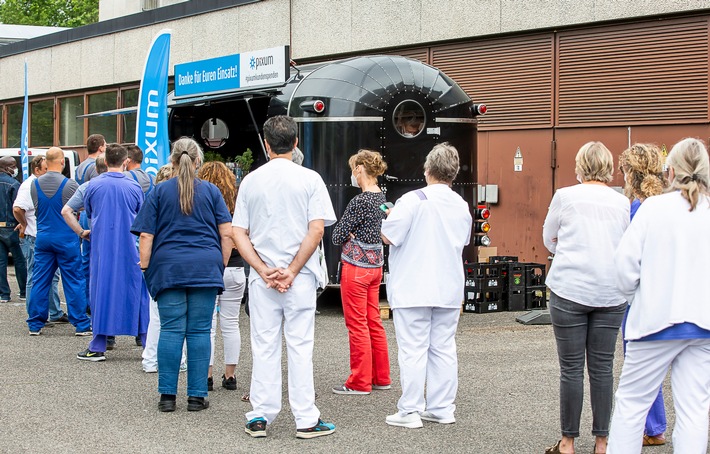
(583, 227)
(663, 273)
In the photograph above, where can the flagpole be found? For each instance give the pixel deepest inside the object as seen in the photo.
(24, 134)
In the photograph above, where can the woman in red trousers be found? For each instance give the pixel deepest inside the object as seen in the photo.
(361, 274)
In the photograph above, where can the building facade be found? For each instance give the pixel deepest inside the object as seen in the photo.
(554, 74)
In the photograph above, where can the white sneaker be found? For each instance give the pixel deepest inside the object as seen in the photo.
(381, 387)
(428, 416)
(409, 420)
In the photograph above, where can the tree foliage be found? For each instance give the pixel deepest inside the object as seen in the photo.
(54, 13)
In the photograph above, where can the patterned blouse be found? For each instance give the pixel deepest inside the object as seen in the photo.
(363, 218)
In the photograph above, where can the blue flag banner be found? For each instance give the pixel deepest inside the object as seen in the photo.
(24, 136)
(152, 115)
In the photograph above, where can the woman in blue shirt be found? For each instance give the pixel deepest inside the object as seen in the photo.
(642, 166)
(185, 241)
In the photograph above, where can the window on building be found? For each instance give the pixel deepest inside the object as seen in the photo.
(42, 123)
(130, 99)
(71, 129)
(106, 126)
(14, 124)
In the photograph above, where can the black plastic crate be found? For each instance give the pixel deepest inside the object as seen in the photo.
(515, 300)
(483, 270)
(515, 276)
(479, 284)
(502, 258)
(535, 297)
(534, 274)
(483, 307)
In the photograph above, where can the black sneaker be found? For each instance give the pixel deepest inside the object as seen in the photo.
(88, 355)
(61, 320)
(319, 430)
(229, 383)
(197, 404)
(110, 342)
(256, 428)
(210, 384)
(138, 341)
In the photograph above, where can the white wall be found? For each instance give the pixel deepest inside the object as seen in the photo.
(110, 9)
(312, 27)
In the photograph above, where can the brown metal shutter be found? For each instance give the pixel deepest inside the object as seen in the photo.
(636, 73)
(513, 77)
(418, 53)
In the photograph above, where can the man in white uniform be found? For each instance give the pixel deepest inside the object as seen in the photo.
(427, 231)
(281, 211)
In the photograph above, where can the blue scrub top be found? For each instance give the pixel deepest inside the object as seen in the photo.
(187, 249)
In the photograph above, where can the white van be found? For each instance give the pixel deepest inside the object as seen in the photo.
(71, 160)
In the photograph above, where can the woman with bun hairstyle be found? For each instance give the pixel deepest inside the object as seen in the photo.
(642, 166)
(358, 231)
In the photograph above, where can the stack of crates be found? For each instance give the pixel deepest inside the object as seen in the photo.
(535, 290)
(484, 287)
(509, 264)
(515, 287)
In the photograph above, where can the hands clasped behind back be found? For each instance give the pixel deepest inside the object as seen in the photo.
(278, 278)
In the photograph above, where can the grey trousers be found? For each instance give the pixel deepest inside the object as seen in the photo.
(584, 331)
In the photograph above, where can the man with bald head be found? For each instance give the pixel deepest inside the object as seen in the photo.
(9, 235)
(57, 245)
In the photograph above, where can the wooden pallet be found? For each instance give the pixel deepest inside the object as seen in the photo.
(385, 311)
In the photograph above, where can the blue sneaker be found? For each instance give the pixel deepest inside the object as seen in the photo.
(319, 430)
(256, 428)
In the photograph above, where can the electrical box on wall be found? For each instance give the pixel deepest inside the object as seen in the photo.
(487, 193)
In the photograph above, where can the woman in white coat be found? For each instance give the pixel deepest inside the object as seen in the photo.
(662, 269)
(427, 230)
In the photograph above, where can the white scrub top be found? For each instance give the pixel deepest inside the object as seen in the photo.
(275, 203)
(427, 239)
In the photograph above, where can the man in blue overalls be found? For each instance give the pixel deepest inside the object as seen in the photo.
(56, 245)
(95, 146)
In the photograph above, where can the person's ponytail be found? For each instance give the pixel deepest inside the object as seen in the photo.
(186, 156)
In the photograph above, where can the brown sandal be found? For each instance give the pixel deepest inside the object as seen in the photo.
(654, 440)
(554, 449)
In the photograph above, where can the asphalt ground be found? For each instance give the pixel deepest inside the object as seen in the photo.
(507, 401)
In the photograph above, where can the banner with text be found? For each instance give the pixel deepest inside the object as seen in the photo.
(267, 67)
(152, 115)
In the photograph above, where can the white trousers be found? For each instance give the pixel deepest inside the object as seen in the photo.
(426, 339)
(150, 351)
(645, 367)
(296, 309)
(229, 303)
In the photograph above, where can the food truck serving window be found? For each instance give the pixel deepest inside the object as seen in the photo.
(409, 118)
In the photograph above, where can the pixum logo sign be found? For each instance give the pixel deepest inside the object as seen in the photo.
(255, 62)
(265, 67)
(232, 73)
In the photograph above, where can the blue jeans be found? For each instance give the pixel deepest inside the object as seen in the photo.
(585, 331)
(28, 249)
(10, 242)
(185, 315)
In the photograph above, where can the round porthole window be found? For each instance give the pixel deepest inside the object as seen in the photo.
(409, 119)
(214, 132)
